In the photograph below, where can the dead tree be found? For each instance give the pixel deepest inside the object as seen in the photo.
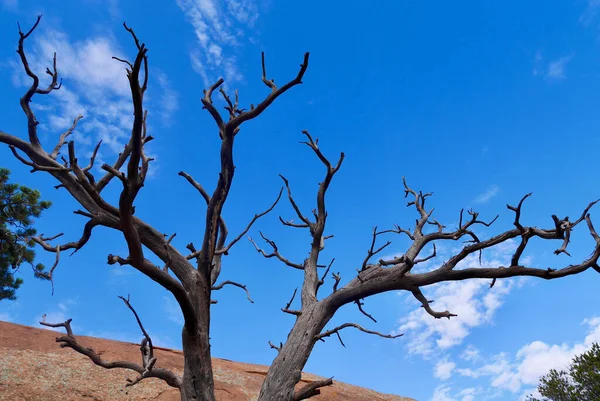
(190, 277)
(192, 284)
(395, 274)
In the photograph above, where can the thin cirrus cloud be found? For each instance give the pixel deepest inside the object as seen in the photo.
(552, 71)
(472, 300)
(444, 393)
(95, 86)
(519, 374)
(557, 69)
(172, 310)
(590, 13)
(10, 5)
(488, 194)
(219, 28)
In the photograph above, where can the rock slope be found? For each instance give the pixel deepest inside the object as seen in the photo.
(34, 367)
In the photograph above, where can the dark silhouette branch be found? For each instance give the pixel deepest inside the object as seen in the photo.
(228, 282)
(337, 329)
(145, 371)
(63, 137)
(275, 252)
(287, 309)
(226, 249)
(312, 389)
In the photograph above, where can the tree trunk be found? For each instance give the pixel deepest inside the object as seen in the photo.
(198, 383)
(197, 380)
(286, 370)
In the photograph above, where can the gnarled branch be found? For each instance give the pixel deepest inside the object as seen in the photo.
(228, 282)
(275, 252)
(146, 371)
(337, 329)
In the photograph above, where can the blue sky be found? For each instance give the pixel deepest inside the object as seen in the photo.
(478, 101)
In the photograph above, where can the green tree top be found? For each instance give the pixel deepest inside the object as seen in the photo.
(19, 205)
(580, 383)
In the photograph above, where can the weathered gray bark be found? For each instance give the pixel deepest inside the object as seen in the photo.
(191, 283)
(190, 278)
(286, 370)
(197, 380)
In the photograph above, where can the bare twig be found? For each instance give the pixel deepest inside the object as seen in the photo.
(337, 278)
(425, 303)
(322, 280)
(275, 252)
(70, 341)
(356, 326)
(64, 136)
(372, 252)
(360, 304)
(305, 220)
(242, 286)
(276, 347)
(226, 249)
(312, 389)
(287, 309)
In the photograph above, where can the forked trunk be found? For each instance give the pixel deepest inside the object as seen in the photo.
(286, 370)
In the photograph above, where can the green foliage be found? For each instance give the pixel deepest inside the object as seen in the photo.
(19, 205)
(580, 383)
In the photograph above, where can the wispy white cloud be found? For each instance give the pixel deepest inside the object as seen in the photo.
(169, 102)
(590, 13)
(111, 5)
(445, 393)
(468, 394)
(521, 372)
(56, 314)
(486, 196)
(10, 5)
(64, 305)
(552, 71)
(471, 353)
(219, 27)
(443, 369)
(473, 301)
(10, 311)
(172, 310)
(94, 85)
(442, 393)
(557, 69)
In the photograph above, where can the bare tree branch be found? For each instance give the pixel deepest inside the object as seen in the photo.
(312, 389)
(64, 137)
(425, 259)
(425, 303)
(226, 249)
(32, 122)
(242, 286)
(360, 304)
(305, 220)
(75, 245)
(275, 252)
(262, 106)
(70, 341)
(322, 280)
(372, 252)
(37, 167)
(287, 309)
(356, 326)
(276, 347)
(337, 278)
